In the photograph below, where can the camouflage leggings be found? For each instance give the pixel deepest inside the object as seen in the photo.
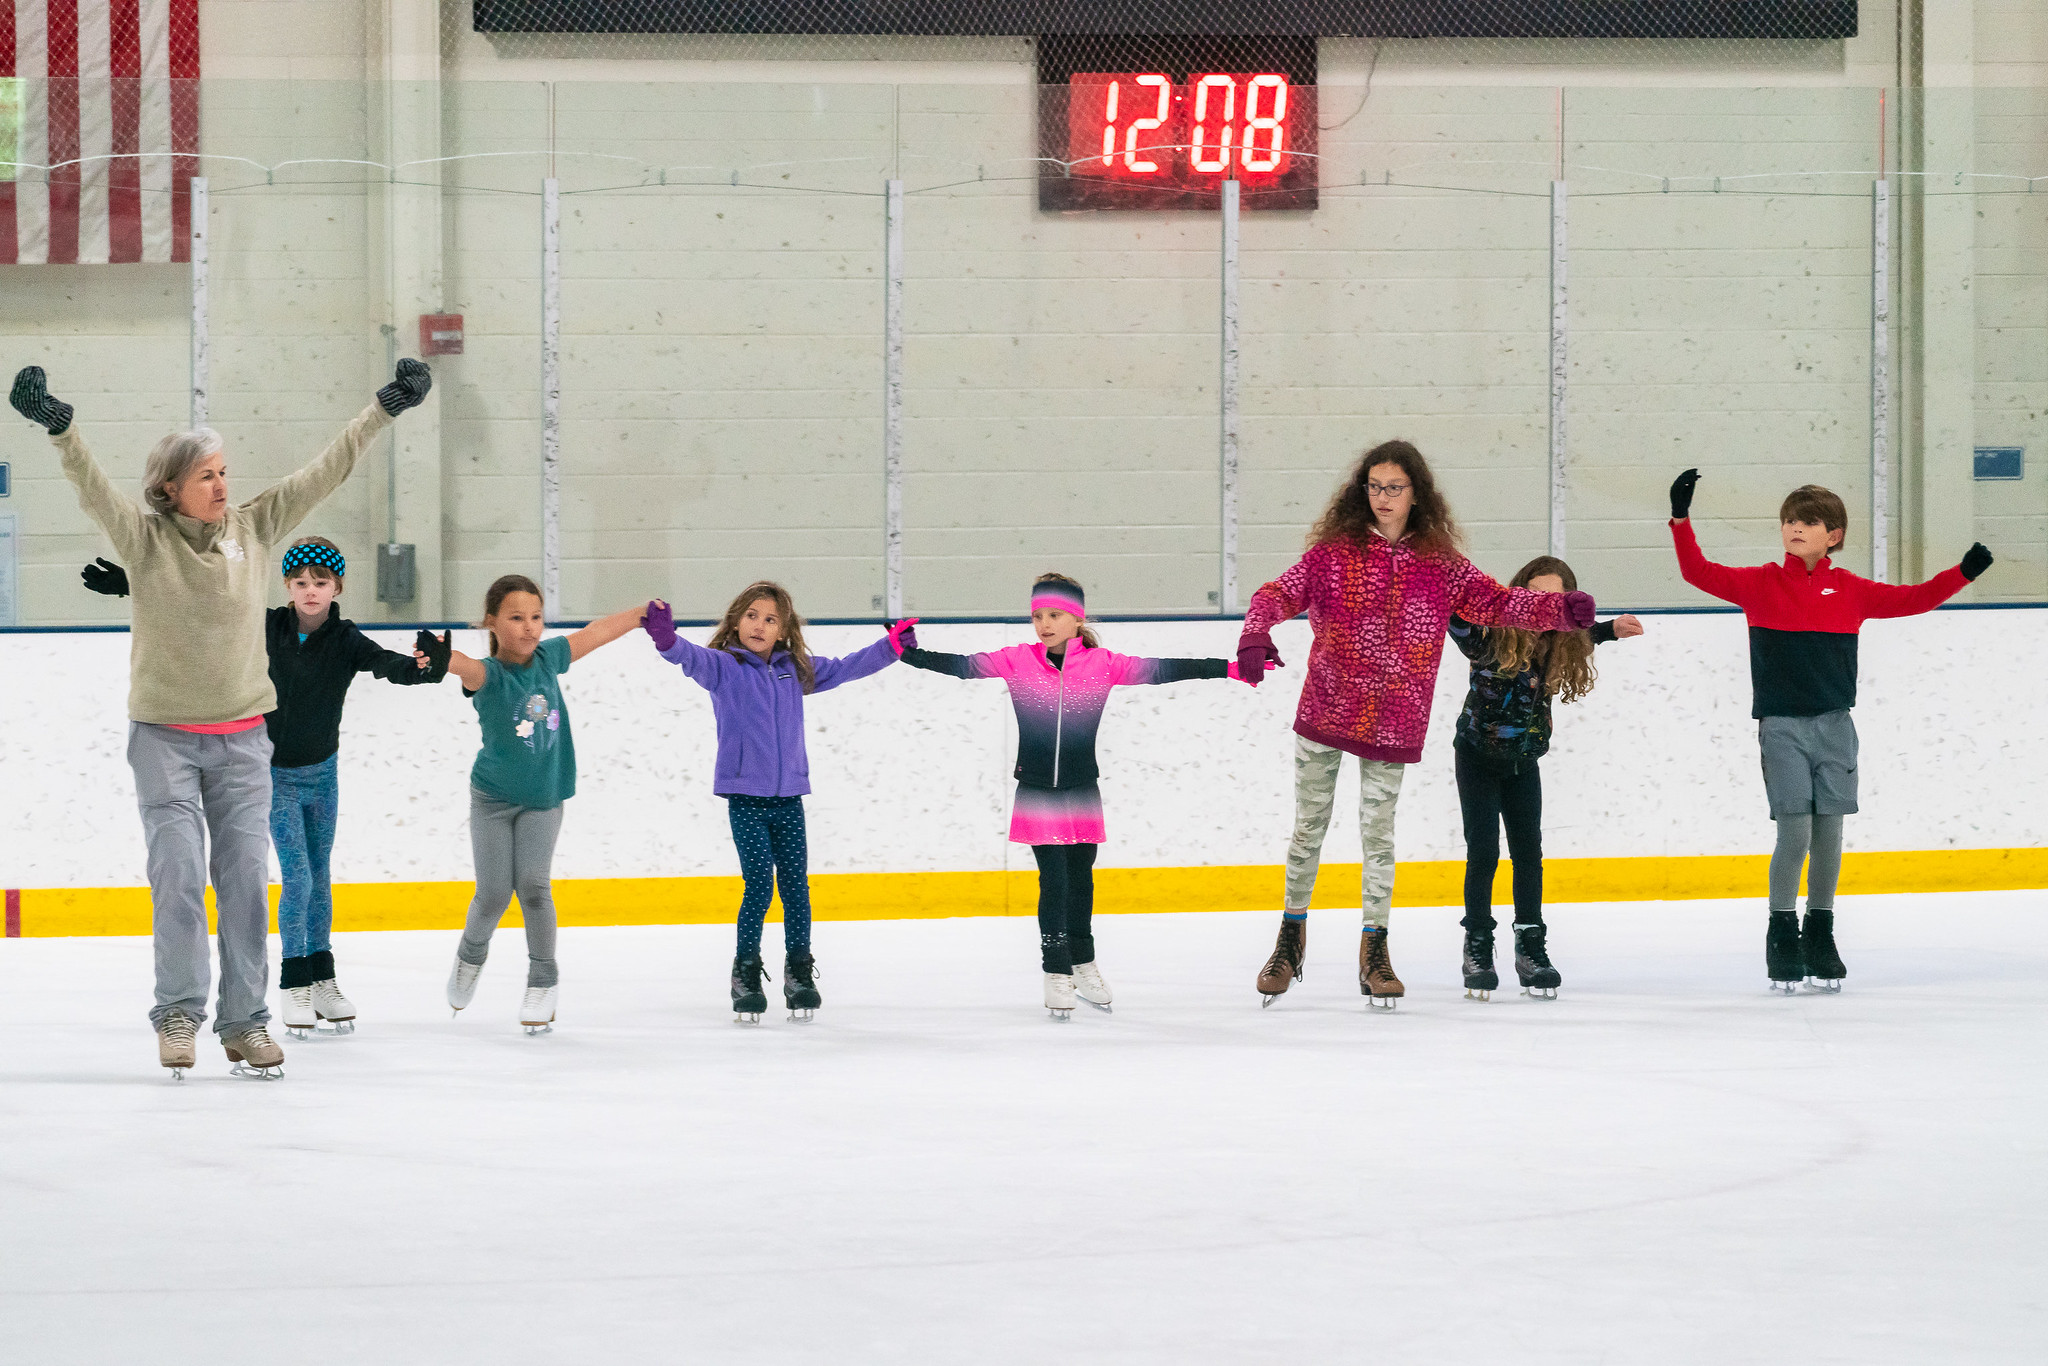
(1315, 789)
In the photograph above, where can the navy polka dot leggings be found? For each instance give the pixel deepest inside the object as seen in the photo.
(769, 832)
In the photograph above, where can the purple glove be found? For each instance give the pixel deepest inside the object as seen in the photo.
(903, 635)
(1255, 655)
(1578, 608)
(660, 625)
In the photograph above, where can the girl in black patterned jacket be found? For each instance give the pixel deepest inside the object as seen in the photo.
(1503, 732)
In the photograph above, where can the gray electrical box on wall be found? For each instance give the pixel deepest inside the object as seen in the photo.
(397, 576)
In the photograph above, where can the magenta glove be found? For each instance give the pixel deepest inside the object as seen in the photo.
(903, 635)
(1578, 607)
(660, 625)
(1255, 655)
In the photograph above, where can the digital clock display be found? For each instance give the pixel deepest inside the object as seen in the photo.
(1169, 136)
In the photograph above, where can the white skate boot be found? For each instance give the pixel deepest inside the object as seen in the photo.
(1059, 994)
(299, 1015)
(462, 984)
(330, 1005)
(1091, 986)
(537, 1010)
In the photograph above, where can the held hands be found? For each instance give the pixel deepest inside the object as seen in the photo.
(1681, 494)
(433, 653)
(407, 390)
(31, 398)
(104, 576)
(1626, 626)
(903, 635)
(1578, 607)
(1976, 560)
(1255, 655)
(659, 621)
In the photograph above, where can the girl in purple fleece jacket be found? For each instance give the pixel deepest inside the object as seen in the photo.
(758, 673)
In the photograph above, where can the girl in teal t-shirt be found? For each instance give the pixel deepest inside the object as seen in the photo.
(522, 775)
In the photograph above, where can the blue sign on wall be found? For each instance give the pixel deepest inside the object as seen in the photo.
(2001, 462)
(5, 489)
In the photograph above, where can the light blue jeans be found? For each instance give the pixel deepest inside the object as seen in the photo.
(304, 804)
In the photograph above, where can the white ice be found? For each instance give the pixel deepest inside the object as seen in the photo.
(1666, 1165)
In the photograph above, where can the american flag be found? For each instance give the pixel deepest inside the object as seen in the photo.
(104, 110)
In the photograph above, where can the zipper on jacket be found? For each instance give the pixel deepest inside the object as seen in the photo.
(1059, 712)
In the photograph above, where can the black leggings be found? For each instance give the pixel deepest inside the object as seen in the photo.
(1066, 905)
(1492, 793)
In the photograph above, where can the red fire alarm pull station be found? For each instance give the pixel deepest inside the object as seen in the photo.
(440, 334)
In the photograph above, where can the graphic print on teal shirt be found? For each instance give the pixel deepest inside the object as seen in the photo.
(527, 757)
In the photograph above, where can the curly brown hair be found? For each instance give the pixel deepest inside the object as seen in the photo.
(728, 633)
(1564, 657)
(1349, 516)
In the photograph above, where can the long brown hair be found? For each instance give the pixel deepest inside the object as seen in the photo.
(728, 633)
(1349, 516)
(1087, 632)
(502, 587)
(1565, 658)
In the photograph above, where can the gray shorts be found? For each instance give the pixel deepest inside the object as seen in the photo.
(1809, 764)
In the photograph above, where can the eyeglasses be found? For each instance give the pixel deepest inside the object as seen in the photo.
(1385, 490)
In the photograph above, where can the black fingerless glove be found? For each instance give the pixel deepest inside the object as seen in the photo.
(31, 398)
(104, 576)
(1681, 494)
(1976, 560)
(437, 649)
(408, 389)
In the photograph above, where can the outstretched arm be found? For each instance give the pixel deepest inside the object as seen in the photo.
(605, 630)
(286, 503)
(470, 671)
(115, 514)
(1477, 597)
(1140, 670)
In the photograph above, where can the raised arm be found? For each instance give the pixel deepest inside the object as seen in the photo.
(830, 673)
(605, 630)
(1911, 599)
(702, 666)
(286, 503)
(114, 513)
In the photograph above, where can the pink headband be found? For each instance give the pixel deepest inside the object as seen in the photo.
(1059, 597)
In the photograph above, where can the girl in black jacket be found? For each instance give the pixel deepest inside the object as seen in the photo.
(1502, 733)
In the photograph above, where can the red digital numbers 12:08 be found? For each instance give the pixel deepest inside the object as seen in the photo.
(1145, 127)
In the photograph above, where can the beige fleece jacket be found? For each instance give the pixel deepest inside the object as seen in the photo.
(196, 653)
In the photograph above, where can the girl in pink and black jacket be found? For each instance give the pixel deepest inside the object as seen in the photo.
(1059, 688)
(1380, 581)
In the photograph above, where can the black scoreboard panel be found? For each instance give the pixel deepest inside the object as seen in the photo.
(1297, 18)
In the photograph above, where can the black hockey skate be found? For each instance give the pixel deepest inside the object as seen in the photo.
(1532, 963)
(799, 987)
(1481, 981)
(1824, 970)
(1784, 955)
(748, 1000)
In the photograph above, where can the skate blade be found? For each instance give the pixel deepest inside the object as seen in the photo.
(1825, 986)
(177, 1073)
(747, 1017)
(533, 1029)
(1382, 1002)
(299, 1031)
(347, 1026)
(1267, 998)
(1787, 988)
(254, 1073)
(1103, 1006)
(803, 1016)
(1060, 1016)
(1479, 993)
(1540, 993)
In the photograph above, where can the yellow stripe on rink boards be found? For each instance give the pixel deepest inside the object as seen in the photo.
(63, 912)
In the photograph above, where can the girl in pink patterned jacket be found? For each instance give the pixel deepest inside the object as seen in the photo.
(1380, 581)
(1059, 688)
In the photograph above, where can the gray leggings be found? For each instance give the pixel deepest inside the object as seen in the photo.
(515, 849)
(1796, 834)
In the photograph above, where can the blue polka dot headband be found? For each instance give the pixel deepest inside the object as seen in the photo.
(327, 557)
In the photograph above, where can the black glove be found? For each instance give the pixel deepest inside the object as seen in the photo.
(31, 398)
(437, 649)
(104, 576)
(408, 390)
(1975, 561)
(1681, 495)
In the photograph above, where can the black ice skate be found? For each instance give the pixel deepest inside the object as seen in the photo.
(1824, 970)
(799, 986)
(1784, 955)
(1532, 963)
(748, 1000)
(1481, 981)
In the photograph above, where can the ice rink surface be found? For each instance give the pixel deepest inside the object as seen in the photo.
(1667, 1165)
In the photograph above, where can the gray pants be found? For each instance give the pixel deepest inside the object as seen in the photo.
(190, 787)
(1315, 789)
(1796, 836)
(515, 852)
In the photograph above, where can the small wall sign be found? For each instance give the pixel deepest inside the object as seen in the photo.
(440, 334)
(2001, 462)
(6, 483)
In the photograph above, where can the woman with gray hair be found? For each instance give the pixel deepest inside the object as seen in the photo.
(199, 684)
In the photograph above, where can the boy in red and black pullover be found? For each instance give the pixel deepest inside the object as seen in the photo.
(1803, 617)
